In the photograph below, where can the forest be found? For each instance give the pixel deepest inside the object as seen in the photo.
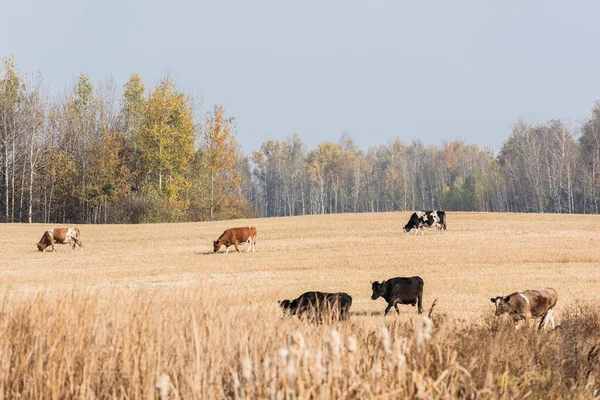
(108, 153)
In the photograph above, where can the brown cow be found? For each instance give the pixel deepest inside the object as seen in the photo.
(60, 236)
(235, 236)
(528, 304)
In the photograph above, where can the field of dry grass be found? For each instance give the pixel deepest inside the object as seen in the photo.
(144, 300)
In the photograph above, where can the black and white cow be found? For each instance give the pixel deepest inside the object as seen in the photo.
(429, 219)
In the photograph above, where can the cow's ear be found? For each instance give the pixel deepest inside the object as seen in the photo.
(507, 298)
(493, 299)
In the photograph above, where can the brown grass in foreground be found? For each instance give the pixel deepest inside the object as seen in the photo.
(142, 305)
(81, 346)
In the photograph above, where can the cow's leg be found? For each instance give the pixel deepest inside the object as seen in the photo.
(524, 318)
(548, 318)
(544, 320)
(396, 307)
(420, 303)
(52, 244)
(226, 249)
(387, 309)
(236, 244)
(249, 242)
(253, 243)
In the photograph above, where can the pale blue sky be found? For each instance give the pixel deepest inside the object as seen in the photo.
(434, 70)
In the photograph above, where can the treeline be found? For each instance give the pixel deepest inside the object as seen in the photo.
(540, 168)
(93, 156)
(108, 154)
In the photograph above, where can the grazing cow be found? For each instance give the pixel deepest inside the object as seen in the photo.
(399, 291)
(420, 219)
(61, 236)
(317, 306)
(528, 304)
(235, 236)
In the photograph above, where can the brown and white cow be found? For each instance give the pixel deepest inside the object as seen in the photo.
(528, 304)
(61, 236)
(235, 236)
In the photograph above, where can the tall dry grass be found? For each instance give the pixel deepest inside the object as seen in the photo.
(194, 345)
(149, 305)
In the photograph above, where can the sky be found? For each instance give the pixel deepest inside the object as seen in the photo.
(376, 70)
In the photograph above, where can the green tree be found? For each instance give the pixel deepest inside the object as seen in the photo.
(220, 156)
(11, 97)
(133, 107)
(133, 104)
(166, 142)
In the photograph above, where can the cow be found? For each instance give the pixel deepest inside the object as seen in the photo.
(318, 306)
(400, 291)
(61, 236)
(420, 219)
(235, 236)
(527, 304)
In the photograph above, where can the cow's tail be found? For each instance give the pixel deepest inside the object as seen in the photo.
(420, 296)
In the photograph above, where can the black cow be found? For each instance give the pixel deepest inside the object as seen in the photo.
(400, 291)
(317, 305)
(420, 219)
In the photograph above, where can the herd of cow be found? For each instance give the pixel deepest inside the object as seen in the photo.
(317, 306)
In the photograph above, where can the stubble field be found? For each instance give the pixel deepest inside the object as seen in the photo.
(141, 301)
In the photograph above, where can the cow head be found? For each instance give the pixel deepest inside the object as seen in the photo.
(406, 229)
(216, 245)
(377, 290)
(288, 306)
(285, 304)
(41, 246)
(501, 303)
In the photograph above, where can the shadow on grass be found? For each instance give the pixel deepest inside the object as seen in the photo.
(366, 313)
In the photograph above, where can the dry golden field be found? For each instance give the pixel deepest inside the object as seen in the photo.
(140, 301)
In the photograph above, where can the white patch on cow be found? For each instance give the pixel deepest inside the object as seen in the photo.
(71, 234)
(420, 214)
(546, 318)
(523, 296)
(498, 301)
(549, 318)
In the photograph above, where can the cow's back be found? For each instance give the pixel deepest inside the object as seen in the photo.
(320, 304)
(60, 234)
(541, 300)
(242, 234)
(414, 283)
